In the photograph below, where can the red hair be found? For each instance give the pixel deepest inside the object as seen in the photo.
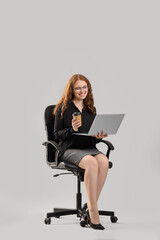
(68, 95)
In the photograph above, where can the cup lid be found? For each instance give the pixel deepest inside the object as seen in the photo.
(76, 114)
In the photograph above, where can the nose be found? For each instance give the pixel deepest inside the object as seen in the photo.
(82, 91)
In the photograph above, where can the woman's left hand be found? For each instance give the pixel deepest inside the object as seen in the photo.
(98, 136)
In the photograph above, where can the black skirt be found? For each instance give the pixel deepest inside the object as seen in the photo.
(75, 155)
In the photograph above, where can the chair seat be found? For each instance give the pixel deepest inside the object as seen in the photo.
(69, 166)
(66, 166)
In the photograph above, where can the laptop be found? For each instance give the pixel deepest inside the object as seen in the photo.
(110, 123)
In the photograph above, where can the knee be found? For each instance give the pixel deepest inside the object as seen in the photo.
(92, 163)
(103, 163)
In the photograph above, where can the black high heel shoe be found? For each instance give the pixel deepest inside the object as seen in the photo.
(94, 226)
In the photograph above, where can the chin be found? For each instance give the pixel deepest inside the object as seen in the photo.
(82, 97)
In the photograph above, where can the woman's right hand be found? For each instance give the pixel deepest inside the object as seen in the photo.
(76, 124)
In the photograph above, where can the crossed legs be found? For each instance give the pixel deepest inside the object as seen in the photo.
(96, 169)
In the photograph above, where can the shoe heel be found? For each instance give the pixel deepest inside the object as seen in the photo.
(88, 217)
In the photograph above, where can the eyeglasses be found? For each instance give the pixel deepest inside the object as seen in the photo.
(79, 88)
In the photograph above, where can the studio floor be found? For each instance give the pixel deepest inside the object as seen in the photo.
(31, 226)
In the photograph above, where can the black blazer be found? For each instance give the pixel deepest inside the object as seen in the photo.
(63, 130)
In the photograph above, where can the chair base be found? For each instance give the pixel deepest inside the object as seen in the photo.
(57, 212)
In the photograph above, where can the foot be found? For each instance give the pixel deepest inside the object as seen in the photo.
(97, 226)
(94, 226)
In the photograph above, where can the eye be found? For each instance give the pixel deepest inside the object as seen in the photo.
(77, 88)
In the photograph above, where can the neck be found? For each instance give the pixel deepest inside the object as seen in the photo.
(78, 102)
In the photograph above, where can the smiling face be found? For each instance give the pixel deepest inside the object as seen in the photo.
(80, 90)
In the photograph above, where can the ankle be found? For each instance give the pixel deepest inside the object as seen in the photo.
(94, 217)
(92, 207)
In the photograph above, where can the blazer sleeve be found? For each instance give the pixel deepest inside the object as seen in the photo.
(95, 140)
(59, 132)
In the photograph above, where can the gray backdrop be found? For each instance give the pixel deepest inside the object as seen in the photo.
(115, 44)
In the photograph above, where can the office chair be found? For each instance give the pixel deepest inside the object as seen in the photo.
(52, 157)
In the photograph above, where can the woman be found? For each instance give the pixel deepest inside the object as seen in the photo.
(78, 149)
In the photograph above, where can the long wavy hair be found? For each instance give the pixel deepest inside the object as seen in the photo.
(68, 95)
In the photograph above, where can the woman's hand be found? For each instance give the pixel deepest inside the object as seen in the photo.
(76, 124)
(98, 136)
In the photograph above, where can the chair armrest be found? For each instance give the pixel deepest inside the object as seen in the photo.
(58, 150)
(54, 144)
(109, 144)
(110, 147)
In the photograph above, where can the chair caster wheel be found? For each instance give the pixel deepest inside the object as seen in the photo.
(47, 221)
(114, 219)
(83, 223)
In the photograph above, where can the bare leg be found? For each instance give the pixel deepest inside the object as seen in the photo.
(90, 164)
(103, 165)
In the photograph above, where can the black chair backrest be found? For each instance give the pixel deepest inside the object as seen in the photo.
(49, 119)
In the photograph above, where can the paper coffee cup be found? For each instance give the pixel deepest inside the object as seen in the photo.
(77, 116)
